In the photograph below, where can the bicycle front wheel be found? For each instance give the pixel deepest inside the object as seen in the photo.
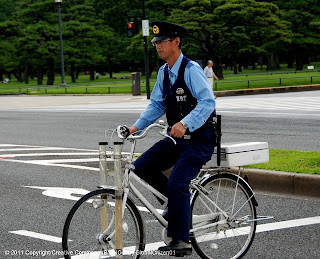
(223, 217)
(94, 214)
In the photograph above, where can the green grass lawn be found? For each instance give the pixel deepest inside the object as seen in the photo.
(307, 162)
(271, 80)
(107, 85)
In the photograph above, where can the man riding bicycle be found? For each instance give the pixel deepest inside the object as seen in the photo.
(183, 93)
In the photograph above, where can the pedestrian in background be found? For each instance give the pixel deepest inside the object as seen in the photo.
(209, 73)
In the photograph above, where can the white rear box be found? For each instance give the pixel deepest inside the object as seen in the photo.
(240, 154)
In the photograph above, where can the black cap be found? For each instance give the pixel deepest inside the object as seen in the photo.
(162, 30)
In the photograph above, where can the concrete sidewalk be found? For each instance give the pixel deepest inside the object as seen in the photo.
(273, 181)
(39, 101)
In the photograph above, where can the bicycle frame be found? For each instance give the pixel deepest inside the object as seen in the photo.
(195, 186)
(222, 203)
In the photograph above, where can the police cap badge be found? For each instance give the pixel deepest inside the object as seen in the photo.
(162, 30)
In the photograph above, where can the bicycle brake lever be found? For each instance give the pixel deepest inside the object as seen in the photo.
(164, 133)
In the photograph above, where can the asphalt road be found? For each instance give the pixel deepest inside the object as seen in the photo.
(85, 130)
(285, 121)
(37, 183)
(35, 200)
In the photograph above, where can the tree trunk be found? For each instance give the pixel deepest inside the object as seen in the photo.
(92, 74)
(235, 67)
(50, 72)
(213, 51)
(217, 67)
(253, 62)
(1, 74)
(26, 74)
(299, 59)
(40, 76)
(260, 62)
(273, 62)
(290, 58)
(109, 67)
(18, 76)
(73, 79)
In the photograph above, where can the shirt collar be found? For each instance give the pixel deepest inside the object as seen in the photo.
(175, 69)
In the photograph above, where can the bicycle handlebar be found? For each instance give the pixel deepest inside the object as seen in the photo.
(146, 131)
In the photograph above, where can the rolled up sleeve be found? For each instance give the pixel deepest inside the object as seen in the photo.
(156, 107)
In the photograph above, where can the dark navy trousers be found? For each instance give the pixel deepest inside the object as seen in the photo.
(187, 157)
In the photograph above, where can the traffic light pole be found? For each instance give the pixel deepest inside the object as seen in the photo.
(146, 62)
(146, 59)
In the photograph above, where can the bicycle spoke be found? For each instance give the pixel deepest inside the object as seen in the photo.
(83, 237)
(225, 235)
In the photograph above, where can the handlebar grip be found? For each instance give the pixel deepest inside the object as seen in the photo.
(123, 131)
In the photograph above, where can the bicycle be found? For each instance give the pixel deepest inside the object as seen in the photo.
(223, 221)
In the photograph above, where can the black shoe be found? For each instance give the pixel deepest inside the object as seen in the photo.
(165, 213)
(177, 248)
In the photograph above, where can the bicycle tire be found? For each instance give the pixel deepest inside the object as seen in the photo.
(83, 226)
(233, 238)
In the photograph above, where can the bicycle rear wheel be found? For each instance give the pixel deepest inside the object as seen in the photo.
(228, 234)
(92, 213)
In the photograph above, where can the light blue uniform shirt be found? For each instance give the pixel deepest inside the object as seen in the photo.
(196, 81)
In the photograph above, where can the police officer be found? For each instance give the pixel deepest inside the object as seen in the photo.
(181, 92)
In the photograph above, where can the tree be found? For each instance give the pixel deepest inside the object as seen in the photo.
(9, 61)
(38, 42)
(88, 42)
(304, 18)
(7, 7)
(235, 29)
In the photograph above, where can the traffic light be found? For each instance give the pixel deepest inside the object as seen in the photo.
(131, 29)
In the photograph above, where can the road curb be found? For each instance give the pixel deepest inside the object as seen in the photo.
(270, 90)
(282, 182)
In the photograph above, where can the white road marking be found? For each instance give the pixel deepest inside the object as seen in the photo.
(66, 193)
(60, 192)
(10, 157)
(69, 193)
(260, 228)
(60, 161)
(51, 162)
(37, 235)
(39, 149)
(154, 246)
(51, 154)
(288, 224)
(38, 162)
(32, 149)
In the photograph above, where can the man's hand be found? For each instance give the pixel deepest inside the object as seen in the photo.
(133, 129)
(177, 130)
